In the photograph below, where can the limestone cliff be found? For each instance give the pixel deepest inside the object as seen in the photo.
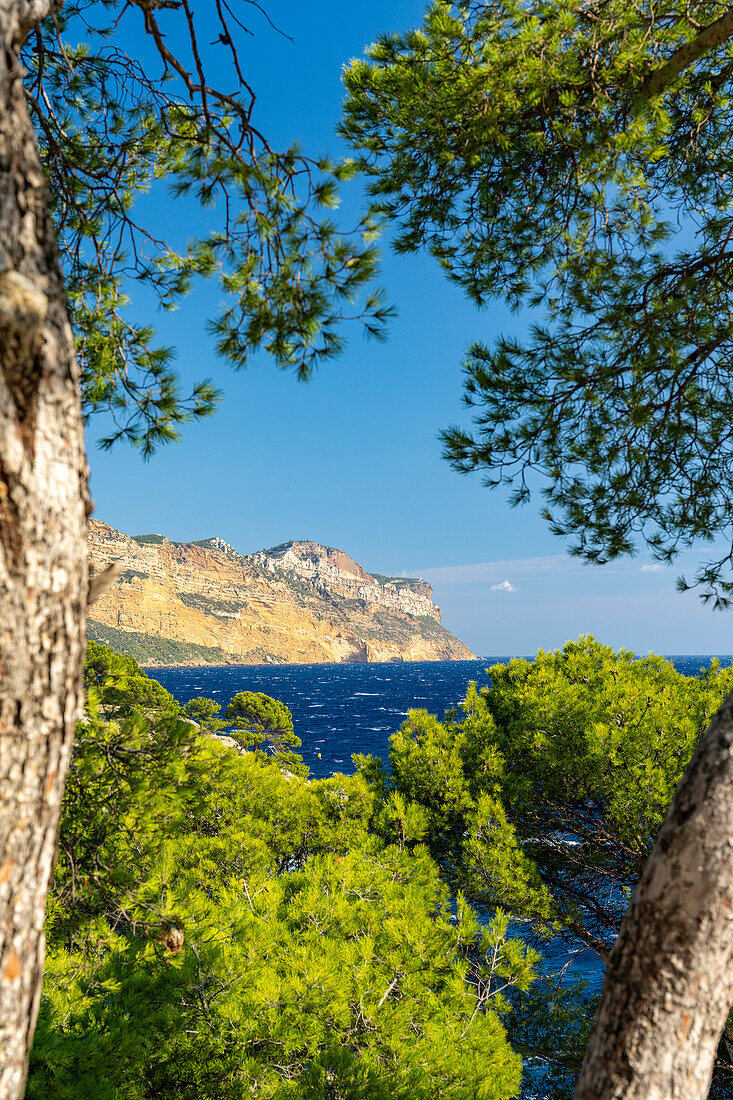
(203, 603)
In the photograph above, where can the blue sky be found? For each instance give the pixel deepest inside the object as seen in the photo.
(352, 459)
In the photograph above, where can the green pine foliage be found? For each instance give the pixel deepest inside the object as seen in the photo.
(129, 99)
(221, 929)
(593, 744)
(119, 683)
(574, 161)
(544, 794)
(203, 711)
(265, 724)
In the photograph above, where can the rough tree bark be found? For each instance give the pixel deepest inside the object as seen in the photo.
(669, 982)
(43, 583)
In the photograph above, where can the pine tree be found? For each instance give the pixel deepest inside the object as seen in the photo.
(544, 794)
(217, 929)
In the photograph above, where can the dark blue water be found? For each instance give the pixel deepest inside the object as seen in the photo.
(337, 709)
(342, 709)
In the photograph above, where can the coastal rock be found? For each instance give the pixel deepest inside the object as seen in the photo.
(203, 603)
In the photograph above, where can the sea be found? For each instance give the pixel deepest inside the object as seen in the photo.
(342, 709)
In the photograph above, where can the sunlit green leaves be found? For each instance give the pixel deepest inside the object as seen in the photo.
(543, 794)
(219, 928)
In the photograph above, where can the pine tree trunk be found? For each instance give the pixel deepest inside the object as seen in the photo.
(43, 495)
(669, 982)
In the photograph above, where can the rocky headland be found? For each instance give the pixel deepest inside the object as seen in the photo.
(203, 603)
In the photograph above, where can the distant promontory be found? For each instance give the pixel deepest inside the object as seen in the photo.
(202, 603)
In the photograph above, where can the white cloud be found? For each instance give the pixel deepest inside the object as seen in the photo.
(505, 586)
(652, 567)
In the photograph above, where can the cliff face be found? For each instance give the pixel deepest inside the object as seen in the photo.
(332, 572)
(203, 603)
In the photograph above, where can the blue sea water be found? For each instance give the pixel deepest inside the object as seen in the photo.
(343, 709)
(337, 709)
